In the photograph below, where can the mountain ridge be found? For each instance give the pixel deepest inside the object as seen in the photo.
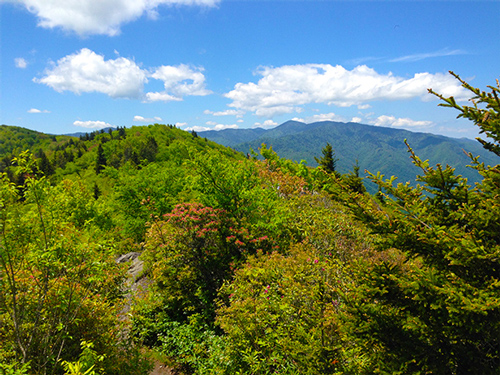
(374, 148)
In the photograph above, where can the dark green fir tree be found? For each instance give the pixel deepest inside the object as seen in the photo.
(101, 161)
(328, 161)
(430, 302)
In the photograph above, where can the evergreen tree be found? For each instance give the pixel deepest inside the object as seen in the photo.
(134, 158)
(69, 156)
(149, 150)
(431, 303)
(121, 132)
(100, 160)
(130, 154)
(44, 164)
(354, 181)
(328, 161)
(96, 191)
(59, 159)
(5, 162)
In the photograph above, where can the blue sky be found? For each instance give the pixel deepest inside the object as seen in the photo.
(79, 65)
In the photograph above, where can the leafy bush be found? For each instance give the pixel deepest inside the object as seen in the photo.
(191, 254)
(281, 313)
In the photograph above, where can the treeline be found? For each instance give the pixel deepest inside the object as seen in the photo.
(254, 266)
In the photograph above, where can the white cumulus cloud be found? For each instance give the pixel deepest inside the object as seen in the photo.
(92, 124)
(265, 124)
(146, 119)
(222, 126)
(87, 71)
(178, 81)
(20, 63)
(287, 88)
(364, 106)
(217, 126)
(391, 121)
(161, 97)
(325, 117)
(229, 112)
(198, 128)
(86, 17)
(35, 110)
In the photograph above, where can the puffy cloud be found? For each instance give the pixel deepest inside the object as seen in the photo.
(35, 110)
(384, 120)
(161, 97)
(98, 16)
(222, 126)
(180, 81)
(86, 71)
(20, 62)
(320, 117)
(180, 124)
(266, 124)
(92, 124)
(217, 126)
(392, 121)
(325, 117)
(286, 89)
(198, 128)
(229, 112)
(146, 119)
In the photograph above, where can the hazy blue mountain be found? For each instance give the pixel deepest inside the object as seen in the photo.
(78, 134)
(232, 137)
(376, 148)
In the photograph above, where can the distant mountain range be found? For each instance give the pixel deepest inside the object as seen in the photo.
(375, 148)
(79, 134)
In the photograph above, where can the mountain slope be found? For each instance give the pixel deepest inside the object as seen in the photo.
(375, 148)
(232, 137)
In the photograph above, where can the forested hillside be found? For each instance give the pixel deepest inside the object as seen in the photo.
(374, 148)
(252, 265)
